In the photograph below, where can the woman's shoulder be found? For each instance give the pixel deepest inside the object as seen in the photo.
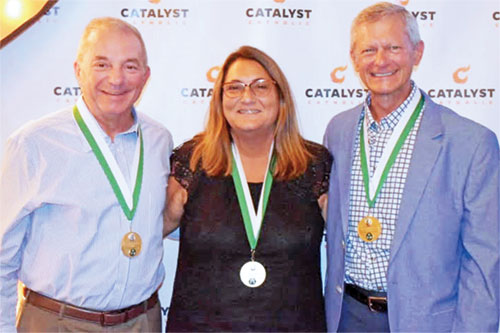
(180, 164)
(183, 152)
(319, 153)
(318, 172)
(185, 149)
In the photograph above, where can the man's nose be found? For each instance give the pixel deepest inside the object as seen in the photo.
(380, 56)
(115, 76)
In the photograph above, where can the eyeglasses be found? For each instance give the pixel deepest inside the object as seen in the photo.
(259, 87)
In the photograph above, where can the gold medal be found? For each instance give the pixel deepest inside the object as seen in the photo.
(131, 244)
(369, 229)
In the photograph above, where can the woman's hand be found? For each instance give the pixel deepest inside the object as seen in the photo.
(323, 204)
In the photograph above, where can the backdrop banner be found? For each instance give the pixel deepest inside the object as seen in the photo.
(187, 41)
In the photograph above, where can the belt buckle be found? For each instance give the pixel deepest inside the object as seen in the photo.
(371, 300)
(102, 319)
(112, 319)
(26, 292)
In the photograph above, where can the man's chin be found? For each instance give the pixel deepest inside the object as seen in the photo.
(115, 108)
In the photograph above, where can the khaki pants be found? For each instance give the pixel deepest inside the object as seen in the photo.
(33, 319)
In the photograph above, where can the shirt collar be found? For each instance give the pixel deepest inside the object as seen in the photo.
(82, 108)
(392, 119)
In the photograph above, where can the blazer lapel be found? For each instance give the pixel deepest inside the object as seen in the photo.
(425, 152)
(350, 131)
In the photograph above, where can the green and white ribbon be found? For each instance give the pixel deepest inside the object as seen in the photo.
(127, 198)
(251, 218)
(374, 184)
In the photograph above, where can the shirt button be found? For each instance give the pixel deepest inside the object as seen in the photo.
(343, 244)
(339, 289)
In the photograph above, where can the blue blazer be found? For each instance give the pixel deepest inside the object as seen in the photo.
(443, 272)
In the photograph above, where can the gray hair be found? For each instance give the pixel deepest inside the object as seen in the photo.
(380, 10)
(107, 23)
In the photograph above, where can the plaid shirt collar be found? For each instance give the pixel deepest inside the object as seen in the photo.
(392, 119)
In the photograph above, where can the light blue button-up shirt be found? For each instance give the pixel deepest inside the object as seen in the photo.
(61, 224)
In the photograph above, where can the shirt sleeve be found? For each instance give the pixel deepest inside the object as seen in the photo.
(17, 183)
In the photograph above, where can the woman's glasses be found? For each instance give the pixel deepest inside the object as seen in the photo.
(259, 87)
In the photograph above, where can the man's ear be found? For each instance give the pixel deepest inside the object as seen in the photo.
(353, 60)
(77, 69)
(418, 52)
(147, 74)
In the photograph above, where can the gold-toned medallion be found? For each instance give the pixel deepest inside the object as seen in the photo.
(131, 244)
(369, 229)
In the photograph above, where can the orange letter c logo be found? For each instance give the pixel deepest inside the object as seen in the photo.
(211, 77)
(456, 76)
(334, 76)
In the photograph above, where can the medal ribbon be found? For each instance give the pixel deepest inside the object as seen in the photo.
(251, 219)
(374, 184)
(128, 200)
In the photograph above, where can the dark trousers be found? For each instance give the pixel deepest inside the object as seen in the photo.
(357, 317)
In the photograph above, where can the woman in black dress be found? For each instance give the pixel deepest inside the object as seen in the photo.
(248, 194)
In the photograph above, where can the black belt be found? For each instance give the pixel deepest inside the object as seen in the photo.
(376, 302)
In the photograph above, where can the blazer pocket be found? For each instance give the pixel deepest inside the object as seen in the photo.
(442, 320)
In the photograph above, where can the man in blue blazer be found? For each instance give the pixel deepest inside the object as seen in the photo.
(413, 212)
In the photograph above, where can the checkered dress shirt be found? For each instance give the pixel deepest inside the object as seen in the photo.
(366, 263)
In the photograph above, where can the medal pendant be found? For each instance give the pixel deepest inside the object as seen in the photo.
(131, 244)
(252, 274)
(369, 229)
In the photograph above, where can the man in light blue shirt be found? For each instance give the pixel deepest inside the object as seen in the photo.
(82, 193)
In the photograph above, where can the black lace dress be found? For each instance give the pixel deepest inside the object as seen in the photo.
(208, 294)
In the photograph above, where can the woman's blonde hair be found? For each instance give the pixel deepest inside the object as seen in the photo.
(213, 145)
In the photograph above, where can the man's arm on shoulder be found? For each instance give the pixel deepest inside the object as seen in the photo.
(478, 286)
(16, 174)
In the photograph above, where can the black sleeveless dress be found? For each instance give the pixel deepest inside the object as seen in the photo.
(208, 294)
